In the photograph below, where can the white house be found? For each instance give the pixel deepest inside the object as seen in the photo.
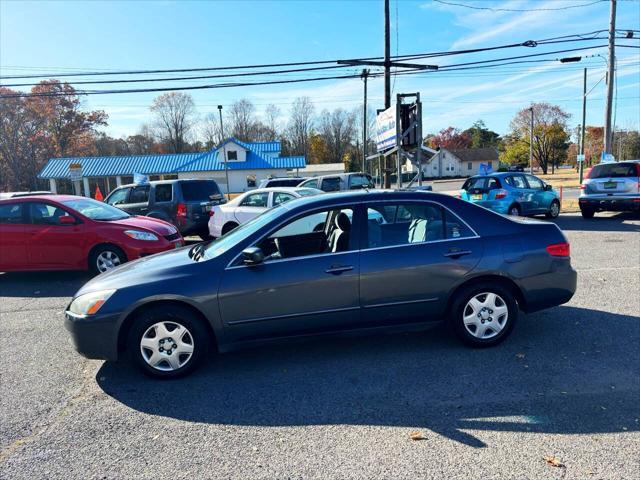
(454, 163)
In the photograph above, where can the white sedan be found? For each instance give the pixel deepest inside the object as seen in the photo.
(250, 204)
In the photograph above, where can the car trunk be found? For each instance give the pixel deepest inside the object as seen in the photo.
(480, 189)
(200, 196)
(614, 179)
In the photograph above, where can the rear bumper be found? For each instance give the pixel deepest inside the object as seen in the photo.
(549, 289)
(610, 203)
(94, 337)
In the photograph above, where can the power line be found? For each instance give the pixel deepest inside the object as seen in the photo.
(473, 7)
(529, 43)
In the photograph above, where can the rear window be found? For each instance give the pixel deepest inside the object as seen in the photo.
(614, 170)
(482, 183)
(200, 191)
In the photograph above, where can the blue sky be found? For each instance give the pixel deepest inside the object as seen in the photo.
(51, 36)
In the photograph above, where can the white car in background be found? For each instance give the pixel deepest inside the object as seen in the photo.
(227, 216)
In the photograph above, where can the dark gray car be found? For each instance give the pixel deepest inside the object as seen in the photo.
(185, 203)
(351, 261)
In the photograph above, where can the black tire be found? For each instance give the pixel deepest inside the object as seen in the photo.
(197, 334)
(515, 208)
(551, 213)
(228, 227)
(587, 213)
(105, 250)
(460, 309)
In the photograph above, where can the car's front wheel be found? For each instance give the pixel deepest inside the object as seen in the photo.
(106, 257)
(484, 315)
(514, 211)
(168, 342)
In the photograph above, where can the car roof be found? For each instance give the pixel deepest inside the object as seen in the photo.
(341, 175)
(279, 189)
(51, 197)
(357, 196)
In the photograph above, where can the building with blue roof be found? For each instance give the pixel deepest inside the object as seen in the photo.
(247, 164)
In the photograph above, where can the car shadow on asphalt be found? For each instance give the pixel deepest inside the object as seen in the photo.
(567, 370)
(42, 284)
(601, 222)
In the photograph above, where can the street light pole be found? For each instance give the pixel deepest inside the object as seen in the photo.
(365, 75)
(224, 153)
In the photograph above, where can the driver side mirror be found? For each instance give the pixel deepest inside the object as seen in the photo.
(252, 256)
(66, 220)
(547, 187)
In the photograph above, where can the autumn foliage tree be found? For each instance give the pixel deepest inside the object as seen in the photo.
(33, 129)
(450, 138)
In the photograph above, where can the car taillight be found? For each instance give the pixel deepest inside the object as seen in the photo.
(559, 249)
(182, 210)
(211, 213)
(501, 194)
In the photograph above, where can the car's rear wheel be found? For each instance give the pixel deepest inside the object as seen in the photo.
(484, 315)
(168, 342)
(554, 210)
(106, 257)
(587, 213)
(514, 210)
(228, 227)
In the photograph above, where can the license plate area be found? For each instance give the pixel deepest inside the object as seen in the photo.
(476, 196)
(610, 185)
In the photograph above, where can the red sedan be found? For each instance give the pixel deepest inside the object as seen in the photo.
(65, 232)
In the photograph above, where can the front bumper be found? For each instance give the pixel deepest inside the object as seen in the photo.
(610, 203)
(143, 249)
(94, 336)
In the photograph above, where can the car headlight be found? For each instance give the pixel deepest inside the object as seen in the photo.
(140, 235)
(90, 303)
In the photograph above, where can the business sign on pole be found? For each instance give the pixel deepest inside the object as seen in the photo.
(580, 158)
(386, 129)
(75, 172)
(140, 179)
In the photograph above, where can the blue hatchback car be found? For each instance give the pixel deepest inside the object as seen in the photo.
(512, 193)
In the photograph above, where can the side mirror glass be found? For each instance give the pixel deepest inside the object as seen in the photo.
(66, 220)
(252, 256)
(548, 187)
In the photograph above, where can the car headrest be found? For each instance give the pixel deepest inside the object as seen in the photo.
(342, 222)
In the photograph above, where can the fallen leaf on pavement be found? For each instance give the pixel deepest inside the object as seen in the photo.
(417, 436)
(554, 462)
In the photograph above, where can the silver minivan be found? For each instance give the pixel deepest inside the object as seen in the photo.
(611, 187)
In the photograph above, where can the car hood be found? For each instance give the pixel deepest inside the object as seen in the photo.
(161, 267)
(155, 225)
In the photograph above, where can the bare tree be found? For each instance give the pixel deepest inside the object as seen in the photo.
(300, 125)
(175, 115)
(210, 130)
(272, 120)
(338, 129)
(242, 120)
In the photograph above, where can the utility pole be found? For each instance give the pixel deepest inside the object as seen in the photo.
(584, 122)
(531, 143)
(224, 150)
(364, 76)
(610, 80)
(387, 85)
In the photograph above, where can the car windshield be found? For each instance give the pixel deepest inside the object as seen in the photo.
(96, 210)
(199, 191)
(225, 242)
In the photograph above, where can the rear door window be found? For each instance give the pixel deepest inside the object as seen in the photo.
(11, 213)
(331, 184)
(139, 194)
(614, 170)
(163, 192)
(199, 191)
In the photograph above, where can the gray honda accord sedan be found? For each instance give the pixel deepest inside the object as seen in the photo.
(366, 261)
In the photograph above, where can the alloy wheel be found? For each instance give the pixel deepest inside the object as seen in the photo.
(485, 315)
(555, 209)
(107, 260)
(166, 346)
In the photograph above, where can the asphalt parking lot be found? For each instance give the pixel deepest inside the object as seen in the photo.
(566, 384)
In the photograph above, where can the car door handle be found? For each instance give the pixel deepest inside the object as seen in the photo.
(455, 253)
(338, 269)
